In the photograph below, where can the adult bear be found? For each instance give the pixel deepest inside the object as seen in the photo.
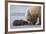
(35, 14)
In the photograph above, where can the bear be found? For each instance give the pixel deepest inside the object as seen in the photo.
(34, 12)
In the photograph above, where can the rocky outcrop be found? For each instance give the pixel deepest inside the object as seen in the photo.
(19, 22)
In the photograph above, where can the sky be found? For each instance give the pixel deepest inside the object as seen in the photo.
(18, 9)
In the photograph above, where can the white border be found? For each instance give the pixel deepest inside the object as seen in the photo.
(9, 30)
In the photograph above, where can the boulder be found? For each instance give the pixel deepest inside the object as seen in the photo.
(19, 22)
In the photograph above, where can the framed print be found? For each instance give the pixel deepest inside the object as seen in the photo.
(25, 16)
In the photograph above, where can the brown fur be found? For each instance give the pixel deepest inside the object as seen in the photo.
(34, 12)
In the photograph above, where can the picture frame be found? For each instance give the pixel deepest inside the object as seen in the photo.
(20, 4)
